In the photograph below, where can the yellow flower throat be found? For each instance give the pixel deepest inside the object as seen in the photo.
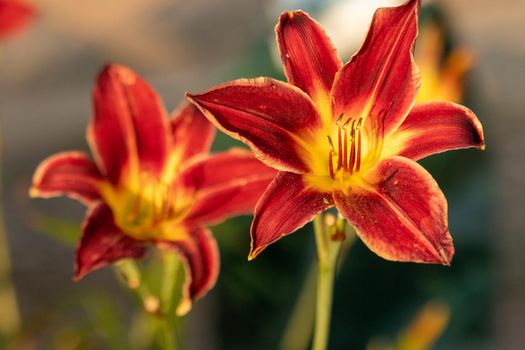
(149, 208)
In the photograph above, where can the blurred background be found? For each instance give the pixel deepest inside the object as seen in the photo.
(468, 51)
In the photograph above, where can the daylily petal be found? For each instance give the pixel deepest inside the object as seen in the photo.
(309, 57)
(68, 173)
(436, 127)
(130, 129)
(14, 15)
(380, 82)
(103, 243)
(401, 215)
(200, 255)
(225, 185)
(287, 205)
(192, 133)
(268, 115)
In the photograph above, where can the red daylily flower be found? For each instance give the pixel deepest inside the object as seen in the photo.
(14, 16)
(152, 182)
(348, 136)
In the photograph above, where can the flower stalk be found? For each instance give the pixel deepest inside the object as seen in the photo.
(298, 332)
(171, 283)
(162, 306)
(328, 240)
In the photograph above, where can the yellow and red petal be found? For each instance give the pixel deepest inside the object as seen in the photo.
(192, 133)
(270, 116)
(380, 82)
(287, 205)
(68, 173)
(433, 128)
(14, 16)
(225, 185)
(309, 58)
(401, 215)
(103, 242)
(200, 256)
(130, 130)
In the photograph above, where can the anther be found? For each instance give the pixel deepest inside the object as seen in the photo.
(330, 156)
(339, 119)
(346, 123)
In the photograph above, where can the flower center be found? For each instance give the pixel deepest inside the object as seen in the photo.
(151, 205)
(150, 209)
(348, 151)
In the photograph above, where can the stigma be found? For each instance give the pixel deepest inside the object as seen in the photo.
(348, 147)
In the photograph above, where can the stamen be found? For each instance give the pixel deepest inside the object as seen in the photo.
(345, 146)
(352, 150)
(358, 161)
(330, 161)
(339, 143)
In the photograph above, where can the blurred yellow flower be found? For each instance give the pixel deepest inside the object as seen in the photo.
(442, 75)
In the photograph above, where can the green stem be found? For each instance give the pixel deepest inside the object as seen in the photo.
(328, 247)
(298, 331)
(167, 332)
(172, 266)
(168, 296)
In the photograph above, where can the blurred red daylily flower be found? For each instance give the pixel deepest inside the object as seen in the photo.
(152, 182)
(348, 136)
(14, 16)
